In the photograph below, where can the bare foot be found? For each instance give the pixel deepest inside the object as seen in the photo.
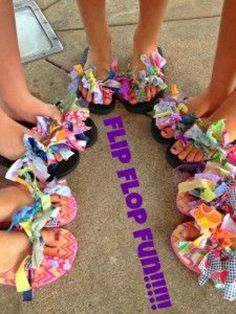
(11, 139)
(15, 246)
(25, 107)
(13, 198)
(227, 111)
(101, 59)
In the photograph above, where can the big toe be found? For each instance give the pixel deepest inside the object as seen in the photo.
(167, 133)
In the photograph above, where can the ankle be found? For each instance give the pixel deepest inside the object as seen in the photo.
(144, 44)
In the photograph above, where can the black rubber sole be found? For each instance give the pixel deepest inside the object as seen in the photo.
(92, 134)
(64, 167)
(102, 109)
(156, 134)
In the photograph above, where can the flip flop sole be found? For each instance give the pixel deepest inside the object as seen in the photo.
(92, 134)
(102, 109)
(192, 259)
(156, 134)
(64, 167)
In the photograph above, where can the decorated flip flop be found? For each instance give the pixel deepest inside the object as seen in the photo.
(153, 76)
(209, 138)
(86, 78)
(187, 252)
(38, 270)
(168, 112)
(211, 253)
(214, 187)
(58, 152)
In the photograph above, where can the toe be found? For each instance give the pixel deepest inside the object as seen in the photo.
(167, 133)
(184, 154)
(107, 98)
(51, 237)
(52, 251)
(199, 156)
(153, 91)
(176, 148)
(192, 154)
(133, 99)
(89, 97)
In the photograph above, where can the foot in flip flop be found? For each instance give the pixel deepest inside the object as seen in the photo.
(202, 141)
(102, 63)
(141, 65)
(141, 87)
(25, 107)
(94, 80)
(14, 200)
(15, 246)
(169, 111)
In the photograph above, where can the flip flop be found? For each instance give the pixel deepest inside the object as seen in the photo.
(58, 154)
(210, 255)
(186, 251)
(210, 138)
(55, 195)
(152, 76)
(171, 112)
(213, 186)
(87, 77)
(51, 268)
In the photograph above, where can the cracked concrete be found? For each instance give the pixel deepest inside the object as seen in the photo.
(106, 277)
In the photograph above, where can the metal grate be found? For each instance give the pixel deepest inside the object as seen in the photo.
(36, 37)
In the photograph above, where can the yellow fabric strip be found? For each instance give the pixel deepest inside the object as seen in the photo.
(22, 283)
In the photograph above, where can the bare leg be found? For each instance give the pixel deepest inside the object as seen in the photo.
(147, 35)
(11, 137)
(223, 80)
(219, 101)
(18, 102)
(93, 14)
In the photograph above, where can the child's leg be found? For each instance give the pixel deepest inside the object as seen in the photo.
(93, 14)
(147, 34)
(18, 102)
(223, 80)
(216, 99)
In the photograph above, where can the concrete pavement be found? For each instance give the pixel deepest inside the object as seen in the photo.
(106, 277)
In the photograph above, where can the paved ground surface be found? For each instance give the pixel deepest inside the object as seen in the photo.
(106, 277)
